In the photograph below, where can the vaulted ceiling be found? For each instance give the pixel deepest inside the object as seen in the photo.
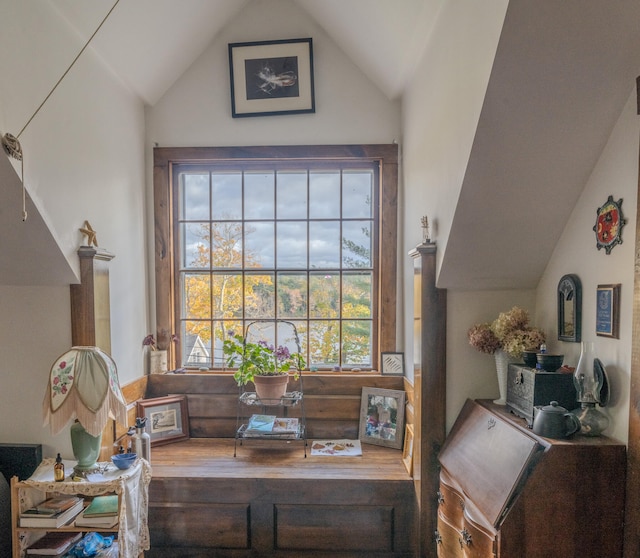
(562, 73)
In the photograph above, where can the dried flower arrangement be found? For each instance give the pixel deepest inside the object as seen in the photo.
(510, 331)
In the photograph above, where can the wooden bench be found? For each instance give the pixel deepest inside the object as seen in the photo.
(270, 500)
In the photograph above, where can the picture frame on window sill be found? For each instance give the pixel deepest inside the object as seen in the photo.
(271, 77)
(392, 364)
(382, 417)
(167, 418)
(608, 311)
(407, 450)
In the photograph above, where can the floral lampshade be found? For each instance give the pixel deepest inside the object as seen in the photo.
(83, 384)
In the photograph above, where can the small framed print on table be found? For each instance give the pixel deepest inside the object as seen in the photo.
(271, 77)
(392, 364)
(167, 418)
(608, 311)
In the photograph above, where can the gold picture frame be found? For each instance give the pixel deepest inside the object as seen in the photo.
(407, 450)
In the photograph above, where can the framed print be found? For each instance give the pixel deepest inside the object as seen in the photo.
(271, 77)
(570, 309)
(608, 311)
(167, 418)
(407, 450)
(392, 364)
(382, 417)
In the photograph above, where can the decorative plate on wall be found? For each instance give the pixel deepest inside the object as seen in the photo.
(609, 223)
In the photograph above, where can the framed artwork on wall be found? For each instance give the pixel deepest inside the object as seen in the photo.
(570, 309)
(609, 223)
(608, 311)
(271, 77)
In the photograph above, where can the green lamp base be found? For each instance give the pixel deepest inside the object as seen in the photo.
(86, 449)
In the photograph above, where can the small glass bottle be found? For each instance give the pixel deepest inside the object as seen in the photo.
(58, 469)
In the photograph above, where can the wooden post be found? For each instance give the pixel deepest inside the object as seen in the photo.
(632, 507)
(430, 390)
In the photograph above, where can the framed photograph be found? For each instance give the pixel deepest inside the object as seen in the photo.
(382, 417)
(271, 77)
(167, 418)
(407, 451)
(570, 309)
(392, 364)
(608, 311)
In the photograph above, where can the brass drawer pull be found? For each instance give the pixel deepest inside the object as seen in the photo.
(466, 538)
(437, 537)
(440, 498)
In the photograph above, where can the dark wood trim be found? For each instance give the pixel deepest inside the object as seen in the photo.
(430, 373)
(166, 157)
(632, 506)
(90, 311)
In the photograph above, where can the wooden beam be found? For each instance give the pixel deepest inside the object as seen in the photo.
(632, 508)
(430, 374)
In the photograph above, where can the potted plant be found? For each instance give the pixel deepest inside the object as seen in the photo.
(265, 365)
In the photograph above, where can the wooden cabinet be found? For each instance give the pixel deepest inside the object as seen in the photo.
(507, 493)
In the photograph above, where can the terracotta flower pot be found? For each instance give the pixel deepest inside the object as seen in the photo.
(271, 387)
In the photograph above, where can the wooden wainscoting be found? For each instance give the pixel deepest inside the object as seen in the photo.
(331, 401)
(270, 500)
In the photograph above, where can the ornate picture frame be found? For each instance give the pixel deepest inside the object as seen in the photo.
(271, 77)
(570, 309)
(608, 311)
(382, 417)
(167, 418)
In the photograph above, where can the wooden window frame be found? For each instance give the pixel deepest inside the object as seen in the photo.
(166, 157)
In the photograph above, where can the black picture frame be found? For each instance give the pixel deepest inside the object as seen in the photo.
(167, 418)
(272, 77)
(608, 311)
(382, 417)
(570, 309)
(392, 364)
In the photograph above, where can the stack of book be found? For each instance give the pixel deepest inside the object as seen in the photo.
(54, 544)
(101, 513)
(52, 513)
(270, 425)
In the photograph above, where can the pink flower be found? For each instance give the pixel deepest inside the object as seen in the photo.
(56, 380)
(63, 364)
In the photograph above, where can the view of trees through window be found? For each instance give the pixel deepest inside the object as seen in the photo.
(291, 242)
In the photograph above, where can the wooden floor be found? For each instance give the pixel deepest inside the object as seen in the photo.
(270, 500)
(207, 457)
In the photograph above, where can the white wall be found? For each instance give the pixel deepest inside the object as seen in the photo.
(440, 112)
(196, 111)
(616, 174)
(84, 159)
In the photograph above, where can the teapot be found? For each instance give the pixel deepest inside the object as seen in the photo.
(553, 421)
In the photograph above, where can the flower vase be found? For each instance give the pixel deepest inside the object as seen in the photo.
(158, 362)
(502, 368)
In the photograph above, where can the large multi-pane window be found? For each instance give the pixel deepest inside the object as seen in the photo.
(294, 239)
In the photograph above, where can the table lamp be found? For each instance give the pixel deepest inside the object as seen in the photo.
(83, 384)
